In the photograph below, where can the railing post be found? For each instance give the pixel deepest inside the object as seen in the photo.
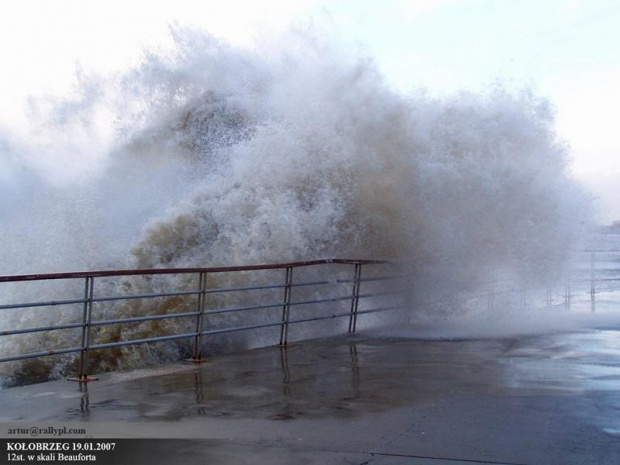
(355, 296)
(89, 286)
(286, 307)
(408, 299)
(202, 297)
(491, 295)
(592, 279)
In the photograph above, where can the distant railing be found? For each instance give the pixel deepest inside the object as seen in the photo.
(594, 278)
(592, 271)
(200, 312)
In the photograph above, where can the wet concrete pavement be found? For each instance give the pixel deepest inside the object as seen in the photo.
(373, 398)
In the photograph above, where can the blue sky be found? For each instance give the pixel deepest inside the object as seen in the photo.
(565, 50)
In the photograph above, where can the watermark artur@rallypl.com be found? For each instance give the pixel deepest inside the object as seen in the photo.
(63, 448)
(35, 431)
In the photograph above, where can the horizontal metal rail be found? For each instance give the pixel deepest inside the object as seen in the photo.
(317, 318)
(144, 296)
(238, 289)
(41, 354)
(164, 271)
(242, 309)
(241, 328)
(320, 301)
(201, 293)
(41, 329)
(139, 319)
(384, 309)
(142, 341)
(318, 283)
(380, 294)
(380, 278)
(342, 315)
(51, 303)
(343, 281)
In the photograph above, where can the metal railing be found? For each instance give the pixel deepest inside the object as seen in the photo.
(595, 255)
(592, 271)
(596, 278)
(592, 277)
(200, 312)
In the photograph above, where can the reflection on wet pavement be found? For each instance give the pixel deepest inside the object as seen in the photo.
(340, 377)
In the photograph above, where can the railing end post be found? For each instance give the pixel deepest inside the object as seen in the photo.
(202, 294)
(355, 295)
(286, 307)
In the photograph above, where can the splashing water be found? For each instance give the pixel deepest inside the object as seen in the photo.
(213, 156)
